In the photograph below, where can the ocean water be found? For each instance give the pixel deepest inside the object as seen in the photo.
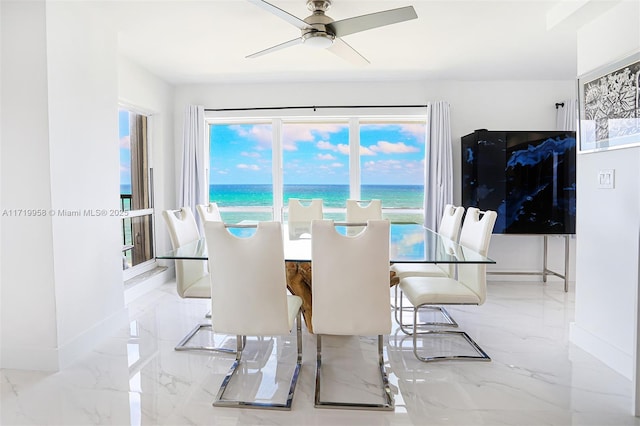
(333, 196)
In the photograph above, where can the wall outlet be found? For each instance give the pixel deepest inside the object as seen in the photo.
(606, 179)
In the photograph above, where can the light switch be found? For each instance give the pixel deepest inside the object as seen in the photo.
(606, 179)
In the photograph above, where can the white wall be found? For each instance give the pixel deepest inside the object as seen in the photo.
(608, 222)
(27, 300)
(61, 276)
(502, 105)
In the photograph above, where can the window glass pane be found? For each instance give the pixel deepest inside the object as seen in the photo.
(137, 232)
(392, 166)
(316, 162)
(240, 170)
(125, 160)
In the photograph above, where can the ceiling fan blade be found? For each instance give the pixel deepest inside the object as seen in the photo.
(341, 48)
(373, 20)
(275, 10)
(280, 46)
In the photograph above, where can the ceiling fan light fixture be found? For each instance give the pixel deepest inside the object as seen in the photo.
(318, 39)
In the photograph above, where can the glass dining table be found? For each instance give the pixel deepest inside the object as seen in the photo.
(409, 243)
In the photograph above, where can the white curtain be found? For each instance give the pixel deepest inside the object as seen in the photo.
(567, 115)
(438, 185)
(192, 177)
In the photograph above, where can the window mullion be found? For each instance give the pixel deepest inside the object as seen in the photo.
(354, 158)
(276, 171)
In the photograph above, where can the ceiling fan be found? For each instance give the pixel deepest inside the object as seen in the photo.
(320, 31)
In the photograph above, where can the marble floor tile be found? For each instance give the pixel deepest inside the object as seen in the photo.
(535, 376)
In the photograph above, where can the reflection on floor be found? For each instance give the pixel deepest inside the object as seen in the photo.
(535, 377)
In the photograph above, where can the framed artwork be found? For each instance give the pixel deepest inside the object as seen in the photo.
(609, 104)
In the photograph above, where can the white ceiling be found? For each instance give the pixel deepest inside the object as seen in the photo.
(207, 40)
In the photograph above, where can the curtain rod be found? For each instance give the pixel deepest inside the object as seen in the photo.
(559, 104)
(314, 107)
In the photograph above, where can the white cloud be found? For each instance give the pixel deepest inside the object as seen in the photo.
(325, 157)
(343, 148)
(250, 154)
(366, 151)
(326, 145)
(394, 166)
(259, 133)
(252, 167)
(392, 148)
(125, 142)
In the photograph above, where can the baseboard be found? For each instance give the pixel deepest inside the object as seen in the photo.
(55, 359)
(611, 356)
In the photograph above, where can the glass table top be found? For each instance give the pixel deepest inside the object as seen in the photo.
(409, 242)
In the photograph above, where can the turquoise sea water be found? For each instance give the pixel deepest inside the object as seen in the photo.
(333, 196)
(406, 196)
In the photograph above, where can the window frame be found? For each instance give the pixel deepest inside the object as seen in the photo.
(150, 264)
(352, 116)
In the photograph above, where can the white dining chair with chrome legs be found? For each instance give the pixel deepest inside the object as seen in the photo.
(350, 295)
(449, 227)
(192, 277)
(209, 212)
(470, 287)
(248, 282)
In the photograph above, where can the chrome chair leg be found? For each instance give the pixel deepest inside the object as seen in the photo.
(448, 319)
(182, 346)
(482, 355)
(219, 402)
(388, 404)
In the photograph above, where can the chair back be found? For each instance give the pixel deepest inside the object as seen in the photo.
(209, 212)
(183, 230)
(299, 212)
(362, 211)
(476, 235)
(451, 221)
(248, 281)
(350, 275)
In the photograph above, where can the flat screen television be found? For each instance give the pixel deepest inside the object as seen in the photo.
(527, 177)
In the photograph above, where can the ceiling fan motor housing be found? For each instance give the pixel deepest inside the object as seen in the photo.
(319, 34)
(318, 5)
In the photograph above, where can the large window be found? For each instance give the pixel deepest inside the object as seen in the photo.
(315, 162)
(240, 170)
(135, 192)
(262, 165)
(392, 166)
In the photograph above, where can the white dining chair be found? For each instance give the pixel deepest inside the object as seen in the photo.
(209, 212)
(449, 227)
(470, 287)
(363, 210)
(248, 282)
(300, 213)
(450, 223)
(192, 277)
(350, 294)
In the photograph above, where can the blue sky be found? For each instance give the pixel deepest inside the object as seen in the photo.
(125, 150)
(318, 153)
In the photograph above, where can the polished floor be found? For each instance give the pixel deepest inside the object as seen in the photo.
(536, 377)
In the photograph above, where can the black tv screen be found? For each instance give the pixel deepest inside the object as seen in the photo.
(527, 177)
